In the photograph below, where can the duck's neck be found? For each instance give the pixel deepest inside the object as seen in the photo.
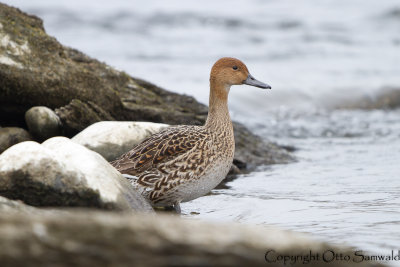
(218, 118)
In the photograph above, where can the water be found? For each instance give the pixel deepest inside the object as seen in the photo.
(345, 186)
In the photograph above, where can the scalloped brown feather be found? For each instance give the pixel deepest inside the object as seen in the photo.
(158, 149)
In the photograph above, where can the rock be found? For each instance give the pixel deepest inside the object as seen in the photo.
(77, 115)
(8, 205)
(386, 98)
(10, 136)
(62, 173)
(36, 70)
(113, 138)
(91, 238)
(43, 123)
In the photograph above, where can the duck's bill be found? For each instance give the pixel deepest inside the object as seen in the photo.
(253, 82)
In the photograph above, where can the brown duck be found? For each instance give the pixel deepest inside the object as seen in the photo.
(185, 162)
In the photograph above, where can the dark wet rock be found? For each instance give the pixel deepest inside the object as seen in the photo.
(78, 115)
(36, 70)
(288, 148)
(10, 136)
(111, 139)
(42, 123)
(386, 98)
(62, 173)
(89, 238)
(234, 170)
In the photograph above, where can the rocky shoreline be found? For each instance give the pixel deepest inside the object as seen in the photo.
(49, 90)
(63, 116)
(36, 70)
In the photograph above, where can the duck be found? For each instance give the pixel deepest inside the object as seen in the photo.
(184, 162)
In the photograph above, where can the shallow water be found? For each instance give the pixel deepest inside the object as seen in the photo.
(345, 186)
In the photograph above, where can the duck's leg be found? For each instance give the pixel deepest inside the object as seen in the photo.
(177, 207)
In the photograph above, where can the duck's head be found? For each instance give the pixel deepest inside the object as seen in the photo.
(231, 71)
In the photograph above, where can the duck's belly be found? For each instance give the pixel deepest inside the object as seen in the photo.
(203, 184)
(188, 189)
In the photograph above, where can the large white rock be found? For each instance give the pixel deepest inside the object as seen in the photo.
(113, 138)
(62, 173)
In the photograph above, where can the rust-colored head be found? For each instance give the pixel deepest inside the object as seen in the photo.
(231, 71)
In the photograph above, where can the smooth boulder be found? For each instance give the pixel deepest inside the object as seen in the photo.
(112, 138)
(91, 238)
(10, 136)
(43, 123)
(62, 173)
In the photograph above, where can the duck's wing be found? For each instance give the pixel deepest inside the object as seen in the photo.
(158, 149)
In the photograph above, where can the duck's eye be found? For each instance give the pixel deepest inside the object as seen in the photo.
(235, 67)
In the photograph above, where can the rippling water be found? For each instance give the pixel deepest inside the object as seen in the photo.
(345, 186)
